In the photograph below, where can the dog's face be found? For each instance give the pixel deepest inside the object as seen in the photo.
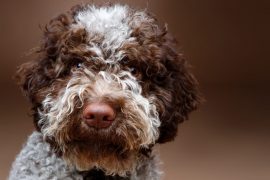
(108, 84)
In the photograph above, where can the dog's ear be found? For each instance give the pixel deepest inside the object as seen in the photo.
(35, 76)
(183, 87)
(38, 73)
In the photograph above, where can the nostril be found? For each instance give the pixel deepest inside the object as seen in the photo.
(89, 116)
(107, 118)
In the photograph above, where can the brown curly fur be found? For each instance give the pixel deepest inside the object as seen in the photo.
(160, 69)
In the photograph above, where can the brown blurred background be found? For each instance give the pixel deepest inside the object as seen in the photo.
(226, 41)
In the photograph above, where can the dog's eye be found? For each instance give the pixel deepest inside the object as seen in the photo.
(79, 64)
(133, 70)
(125, 60)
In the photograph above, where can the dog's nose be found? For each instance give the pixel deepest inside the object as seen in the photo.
(98, 115)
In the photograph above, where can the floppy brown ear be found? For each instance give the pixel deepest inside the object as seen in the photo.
(185, 96)
(31, 77)
(41, 72)
(38, 73)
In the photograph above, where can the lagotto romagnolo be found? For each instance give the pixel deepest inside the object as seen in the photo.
(108, 84)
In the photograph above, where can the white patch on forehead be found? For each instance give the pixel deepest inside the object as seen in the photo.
(110, 22)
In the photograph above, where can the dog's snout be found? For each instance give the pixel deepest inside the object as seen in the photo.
(98, 115)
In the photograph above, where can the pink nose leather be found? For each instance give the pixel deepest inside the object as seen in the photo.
(98, 115)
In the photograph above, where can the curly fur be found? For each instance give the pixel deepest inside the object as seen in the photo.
(110, 54)
(36, 161)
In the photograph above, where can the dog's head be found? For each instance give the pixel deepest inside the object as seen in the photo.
(107, 85)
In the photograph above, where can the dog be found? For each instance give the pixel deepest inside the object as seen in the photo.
(107, 85)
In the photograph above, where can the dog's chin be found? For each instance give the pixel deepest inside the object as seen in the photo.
(112, 158)
(112, 149)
